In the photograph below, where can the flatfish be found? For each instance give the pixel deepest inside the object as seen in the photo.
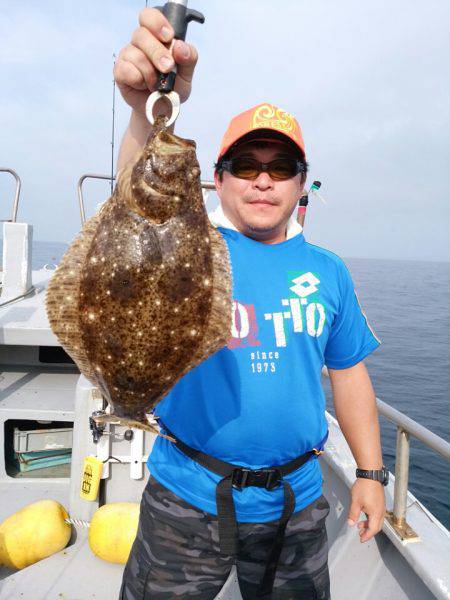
(143, 294)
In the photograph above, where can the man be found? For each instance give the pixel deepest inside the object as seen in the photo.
(257, 403)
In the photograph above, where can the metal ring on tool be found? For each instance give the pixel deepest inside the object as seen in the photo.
(174, 100)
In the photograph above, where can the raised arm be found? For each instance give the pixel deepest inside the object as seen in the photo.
(136, 70)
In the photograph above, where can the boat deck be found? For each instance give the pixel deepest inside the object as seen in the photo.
(25, 322)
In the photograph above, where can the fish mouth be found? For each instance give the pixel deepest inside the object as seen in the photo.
(168, 145)
(168, 163)
(163, 176)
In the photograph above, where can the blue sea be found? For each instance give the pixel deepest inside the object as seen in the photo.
(406, 303)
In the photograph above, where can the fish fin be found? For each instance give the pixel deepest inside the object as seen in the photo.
(218, 331)
(131, 424)
(62, 297)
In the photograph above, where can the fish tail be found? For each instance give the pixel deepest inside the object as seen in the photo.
(131, 424)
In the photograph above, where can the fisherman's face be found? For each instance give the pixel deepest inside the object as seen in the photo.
(260, 208)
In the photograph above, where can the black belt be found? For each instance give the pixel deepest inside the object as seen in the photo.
(237, 477)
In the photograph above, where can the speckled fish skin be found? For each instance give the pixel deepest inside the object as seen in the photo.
(148, 280)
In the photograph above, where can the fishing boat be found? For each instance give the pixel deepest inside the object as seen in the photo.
(45, 409)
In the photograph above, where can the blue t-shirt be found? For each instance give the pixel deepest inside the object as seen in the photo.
(259, 401)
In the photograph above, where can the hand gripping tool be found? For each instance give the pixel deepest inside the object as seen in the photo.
(179, 16)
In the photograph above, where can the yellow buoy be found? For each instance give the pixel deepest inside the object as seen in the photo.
(33, 533)
(112, 531)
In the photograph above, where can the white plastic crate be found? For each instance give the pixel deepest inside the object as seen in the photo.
(37, 440)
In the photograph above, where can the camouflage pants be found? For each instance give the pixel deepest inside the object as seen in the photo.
(176, 553)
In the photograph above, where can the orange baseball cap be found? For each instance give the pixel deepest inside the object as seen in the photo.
(264, 118)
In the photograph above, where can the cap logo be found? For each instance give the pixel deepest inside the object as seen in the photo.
(268, 116)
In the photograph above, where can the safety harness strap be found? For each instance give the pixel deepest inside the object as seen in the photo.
(238, 477)
(272, 563)
(226, 514)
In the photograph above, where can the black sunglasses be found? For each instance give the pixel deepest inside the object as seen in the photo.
(249, 168)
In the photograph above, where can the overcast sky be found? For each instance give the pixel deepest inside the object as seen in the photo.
(368, 82)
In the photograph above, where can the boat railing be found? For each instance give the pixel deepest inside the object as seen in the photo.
(16, 194)
(80, 190)
(206, 185)
(407, 427)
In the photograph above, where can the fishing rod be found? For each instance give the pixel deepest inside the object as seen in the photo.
(304, 200)
(113, 126)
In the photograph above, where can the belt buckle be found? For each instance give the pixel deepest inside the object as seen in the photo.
(239, 478)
